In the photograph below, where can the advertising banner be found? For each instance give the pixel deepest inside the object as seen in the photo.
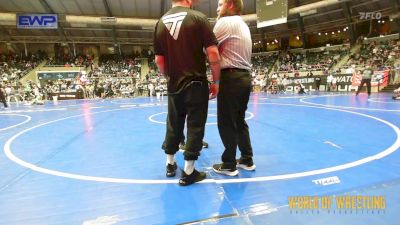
(380, 78)
(37, 21)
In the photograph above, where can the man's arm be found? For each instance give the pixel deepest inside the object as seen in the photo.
(214, 61)
(160, 61)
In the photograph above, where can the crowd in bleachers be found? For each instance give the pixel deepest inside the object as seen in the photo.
(380, 55)
(14, 66)
(121, 76)
(307, 61)
(264, 62)
(68, 60)
(119, 65)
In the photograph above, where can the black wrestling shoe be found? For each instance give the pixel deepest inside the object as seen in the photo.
(171, 170)
(220, 168)
(246, 164)
(194, 177)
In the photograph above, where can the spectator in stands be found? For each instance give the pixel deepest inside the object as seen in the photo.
(183, 62)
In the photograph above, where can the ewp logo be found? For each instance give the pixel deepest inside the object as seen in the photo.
(37, 21)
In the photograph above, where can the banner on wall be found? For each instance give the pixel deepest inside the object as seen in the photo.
(37, 21)
(380, 78)
(57, 75)
(344, 82)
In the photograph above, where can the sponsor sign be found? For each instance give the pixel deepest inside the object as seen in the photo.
(344, 82)
(380, 78)
(57, 75)
(108, 20)
(37, 21)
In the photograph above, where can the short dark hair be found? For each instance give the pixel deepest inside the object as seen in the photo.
(237, 4)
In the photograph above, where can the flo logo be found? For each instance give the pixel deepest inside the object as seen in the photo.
(370, 15)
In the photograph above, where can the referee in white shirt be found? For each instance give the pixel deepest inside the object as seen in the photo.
(235, 46)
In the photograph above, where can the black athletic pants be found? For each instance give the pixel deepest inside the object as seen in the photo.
(3, 99)
(233, 97)
(190, 104)
(365, 81)
(317, 84)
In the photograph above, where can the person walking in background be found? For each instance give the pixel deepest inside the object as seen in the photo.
(317, 83)
(180, 37)
(328, 86)
(235, 47)
(3, 96)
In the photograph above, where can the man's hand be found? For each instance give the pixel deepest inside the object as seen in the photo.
(214, 89)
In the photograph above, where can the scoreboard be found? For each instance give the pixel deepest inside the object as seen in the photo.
(271, 12)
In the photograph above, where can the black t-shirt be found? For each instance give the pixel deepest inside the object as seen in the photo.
(181, 36)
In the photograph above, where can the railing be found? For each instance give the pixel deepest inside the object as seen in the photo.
(64, 66)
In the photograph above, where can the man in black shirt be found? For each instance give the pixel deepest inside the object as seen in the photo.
(181, 36)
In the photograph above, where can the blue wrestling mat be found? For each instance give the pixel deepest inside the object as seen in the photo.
(321, 159)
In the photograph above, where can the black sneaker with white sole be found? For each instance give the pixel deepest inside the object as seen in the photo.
(171, 170)
(229, 171)
(246, 164)
(192, 178)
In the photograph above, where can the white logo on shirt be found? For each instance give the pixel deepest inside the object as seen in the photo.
(173, 23)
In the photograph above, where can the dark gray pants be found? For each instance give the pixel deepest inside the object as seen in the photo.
(190, 104)
(233, 97)
(365, 81)
(3, 99)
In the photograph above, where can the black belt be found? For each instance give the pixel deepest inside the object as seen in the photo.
(233, 70)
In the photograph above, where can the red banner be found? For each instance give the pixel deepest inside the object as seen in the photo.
(381, 77)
